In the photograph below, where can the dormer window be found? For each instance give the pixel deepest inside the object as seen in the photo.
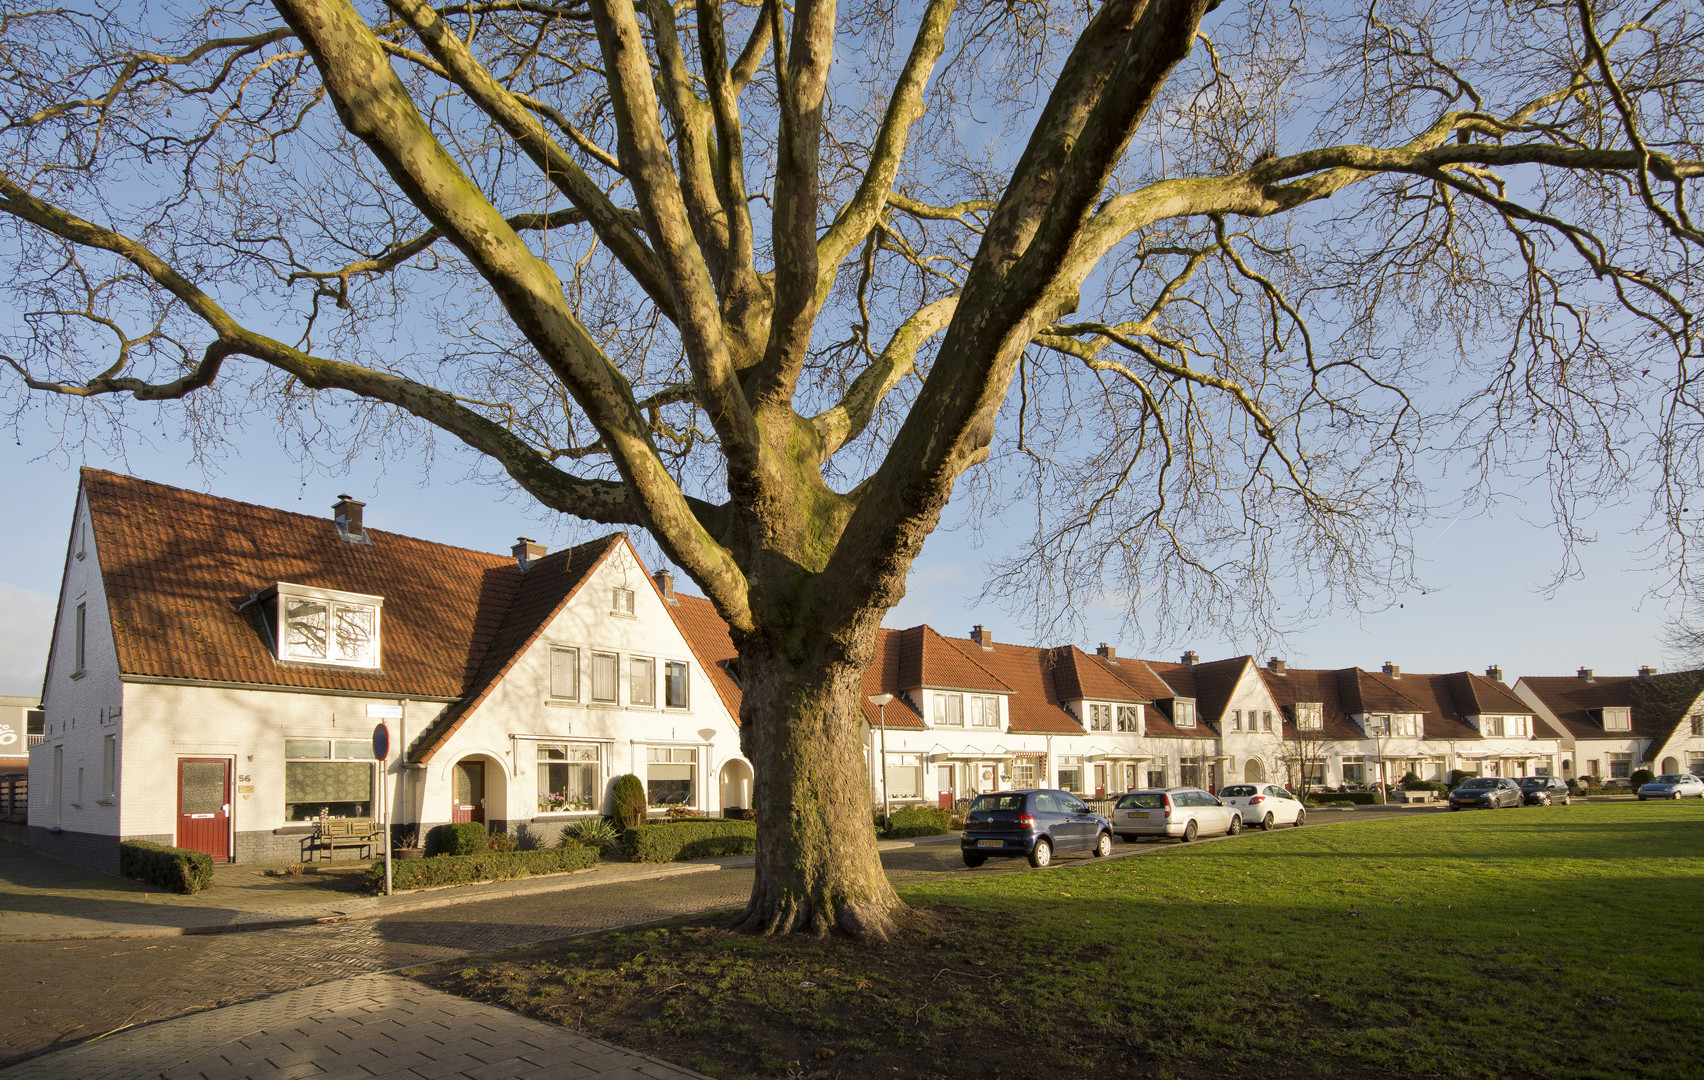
(322, 626)
(1183, 712)
(1618, 719)
(1100, 717)
(1310, 716)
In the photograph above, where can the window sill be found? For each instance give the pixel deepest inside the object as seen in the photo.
(565, 815)
(623, 615)
(562, 703)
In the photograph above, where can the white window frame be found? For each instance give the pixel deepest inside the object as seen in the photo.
(1129, 719)
(569, 684)
(1100, 716)
(600, 773)
(669, 667)
(621, 602)
(634, 682)
(354, 750)
(1266, 720)
(1622, 717)
(1183, 712)
(335, 602)
(1310, 716)
(1068, 763)
(614, 659)
(949, 710)
(109, 767)
(984, 712)
(79, 643)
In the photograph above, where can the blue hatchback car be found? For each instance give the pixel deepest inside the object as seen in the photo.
(1034, 824)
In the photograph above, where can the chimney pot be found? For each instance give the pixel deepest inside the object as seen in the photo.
(1191, 658)
(1393, 670)
(665, 585)
(1646, 671)
(346, 513)
(1108, 652)
(982, 637)
(1494, 672)
(526, 552)
(1586, 674)
(1275, 664)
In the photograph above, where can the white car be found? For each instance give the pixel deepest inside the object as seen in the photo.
(1672, 786)
(1265, 805)
(1180, 811)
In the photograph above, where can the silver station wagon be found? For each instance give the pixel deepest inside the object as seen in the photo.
(1183, 812)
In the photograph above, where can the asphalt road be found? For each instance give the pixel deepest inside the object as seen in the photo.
(57, 993)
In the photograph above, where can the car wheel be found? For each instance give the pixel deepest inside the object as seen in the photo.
(1301, 816)
(1103, 846)
(1189, 831)
(1567, 800)
(1236, 825)
(1641, 798)
(1041, 854)
(974, 861)
(1267, 824)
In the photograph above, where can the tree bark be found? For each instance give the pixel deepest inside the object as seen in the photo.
(817, 866)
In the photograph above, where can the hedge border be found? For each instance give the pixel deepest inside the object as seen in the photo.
(487, 866)
(174, 868)
(678, 841)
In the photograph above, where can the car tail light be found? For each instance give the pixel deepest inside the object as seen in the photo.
(1026, 821)
(1168, 806)
(1257, 800)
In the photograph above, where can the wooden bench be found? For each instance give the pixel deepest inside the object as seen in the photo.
(332, 833)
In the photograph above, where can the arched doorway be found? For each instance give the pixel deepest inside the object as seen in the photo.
(1254, 772)
(735, 785)
(1671, 765)
(477, 791)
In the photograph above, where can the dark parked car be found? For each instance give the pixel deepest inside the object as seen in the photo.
(1545, 790)
(1034, 824)
(1486, 792)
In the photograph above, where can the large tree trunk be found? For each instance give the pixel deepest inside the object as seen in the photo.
(817, 866)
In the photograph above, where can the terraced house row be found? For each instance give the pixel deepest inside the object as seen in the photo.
(218, 668)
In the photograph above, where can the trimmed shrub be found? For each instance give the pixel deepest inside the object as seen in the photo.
(593, 833)
(177, 869)
(1641, 777)
(677, 841)
(1417, 784)
(489, 866)
(462, 838)
(630, 802)
(1358, 798)
(501, 842)
(1457, 776)
(918, 821)
(1590, 783)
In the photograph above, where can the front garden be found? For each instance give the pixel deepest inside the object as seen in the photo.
(1550, 941)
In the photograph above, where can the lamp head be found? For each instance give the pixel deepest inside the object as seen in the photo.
(879, 700)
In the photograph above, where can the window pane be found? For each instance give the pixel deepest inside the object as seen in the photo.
(603, 676)
(340, 788)
(305, 628)
(352, 749)
(354, 628)
(307, 748)
(565, 674)
(642, 681)
(675, 684)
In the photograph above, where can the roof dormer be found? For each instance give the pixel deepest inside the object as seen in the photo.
(324, 626)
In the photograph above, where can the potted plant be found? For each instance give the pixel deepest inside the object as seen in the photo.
(549, 802)
(408, 846)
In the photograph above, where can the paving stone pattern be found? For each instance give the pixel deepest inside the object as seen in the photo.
(59, 993)
(351, 1029)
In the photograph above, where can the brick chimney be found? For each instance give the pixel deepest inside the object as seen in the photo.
(665, 585)
(1494, 672)
(526, 552)
(1586, 674)
(1647, 672)
(982, 637)
(1393, 670)
(346, 512)
(1275, 664)
(1192, 658)
(1107, 653)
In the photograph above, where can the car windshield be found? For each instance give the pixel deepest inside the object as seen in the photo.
(1238, 791)
(1143, 800)
(1013, 802)
(1676, 778)
(1481, 782)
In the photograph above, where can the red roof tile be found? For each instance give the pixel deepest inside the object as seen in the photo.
(1034, 706)
(1659, 704)
(926, 659)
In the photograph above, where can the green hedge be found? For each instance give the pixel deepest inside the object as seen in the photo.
(1358, 798)
(1425, 785)
(173, 868)
(489, 866)
(462, 838)
(918, 821)
(676, 841)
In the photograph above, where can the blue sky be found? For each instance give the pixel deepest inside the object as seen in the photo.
(1483, 604)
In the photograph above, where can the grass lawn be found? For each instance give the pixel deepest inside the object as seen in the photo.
(1555, 941)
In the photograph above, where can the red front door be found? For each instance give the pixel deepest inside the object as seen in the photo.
(204, 806)
(469, 804)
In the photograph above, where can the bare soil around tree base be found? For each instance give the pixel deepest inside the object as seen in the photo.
(1452, 946)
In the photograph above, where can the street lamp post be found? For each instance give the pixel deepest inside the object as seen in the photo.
(880, 702)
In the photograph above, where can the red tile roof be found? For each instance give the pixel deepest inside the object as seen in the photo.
(926, 659)
(178, 566)
(1322, 686)
(1034, 706)
(1659, 704)
(1078, 676)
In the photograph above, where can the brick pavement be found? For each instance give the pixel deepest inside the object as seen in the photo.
(352, 1029)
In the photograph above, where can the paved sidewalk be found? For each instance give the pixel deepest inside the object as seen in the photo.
(47, 899)
(370, 1026)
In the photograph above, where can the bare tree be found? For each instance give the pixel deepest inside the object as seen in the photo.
(760, 278)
